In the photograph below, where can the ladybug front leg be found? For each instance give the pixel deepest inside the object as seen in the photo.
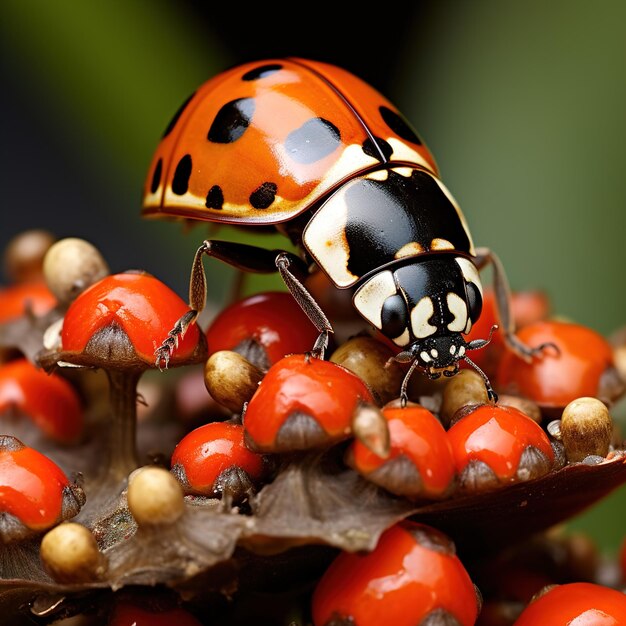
(502, 292)
(239, 255)
(307, 303)
(248, 259)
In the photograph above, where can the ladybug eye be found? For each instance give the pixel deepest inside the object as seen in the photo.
(394, 316)
(474, 301)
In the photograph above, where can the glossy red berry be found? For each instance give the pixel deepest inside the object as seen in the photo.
(270, 325)
(411, 577)
(127, 614)
(303, 402)
(420, 463)
(35, 494)
(576, 604)
(49, 400)
(553, 379)
(17, 299)
(213, 458)
(497, 445)
(526, 308)
(139, 305)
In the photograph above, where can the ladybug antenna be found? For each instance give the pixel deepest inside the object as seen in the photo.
(490, 392)
(476, 344)
(403, 395)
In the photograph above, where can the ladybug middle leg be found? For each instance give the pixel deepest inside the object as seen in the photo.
(248, 259)
(502, 292)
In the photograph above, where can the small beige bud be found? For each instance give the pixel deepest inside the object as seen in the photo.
(371, 429)
(586, 429)
(467, 388)
(231, 379)
(154, 497)
(70, 266)
(70, 554)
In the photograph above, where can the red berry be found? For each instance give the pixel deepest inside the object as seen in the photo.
(554, 379)
(498, 445)
(527, 307)
(412, 574)
(420, 463)
(17, 299)
(272, 321)
(141, 305)
(49, 400)
(576, 604)
(303, 403)
(126, 614)
(212, 456)
(34, 491)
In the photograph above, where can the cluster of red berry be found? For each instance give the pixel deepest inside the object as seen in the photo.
(288, 458)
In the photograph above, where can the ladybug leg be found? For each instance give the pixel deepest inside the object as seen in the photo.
(239, 255)
(502, 293)
(307, 302)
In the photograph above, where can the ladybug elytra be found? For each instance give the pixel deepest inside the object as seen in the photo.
(315, 152)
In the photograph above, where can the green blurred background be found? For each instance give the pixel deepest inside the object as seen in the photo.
(523, 105)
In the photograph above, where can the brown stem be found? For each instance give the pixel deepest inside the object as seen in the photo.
(122, 430)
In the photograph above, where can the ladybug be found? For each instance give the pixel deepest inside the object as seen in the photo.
(315, 153)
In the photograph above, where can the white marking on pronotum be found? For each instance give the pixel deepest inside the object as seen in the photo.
(378, 175)
(441, 244)
(469, 271)
(409, 249)
(425, 357)
(434, 353)
(452, 349)
(457, 307)
(369, 298)
(420, 315)
(461, 350)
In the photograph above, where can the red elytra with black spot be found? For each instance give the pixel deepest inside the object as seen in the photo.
(497, 436)
(299, 385)
(416, 434)
(49, 400)
(273, 320)
(144, 307)
(211, 449)
(411, 573)
(31, 486)
(228, 155)
(555, 379)
(126, 614)
(576, 604)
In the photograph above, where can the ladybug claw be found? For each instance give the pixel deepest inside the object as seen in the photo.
(163, 355)
(538, 350)
(320, 346)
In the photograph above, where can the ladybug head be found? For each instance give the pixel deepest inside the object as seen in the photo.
(425, 305)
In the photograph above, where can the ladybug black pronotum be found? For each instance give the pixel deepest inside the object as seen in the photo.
(329, 162)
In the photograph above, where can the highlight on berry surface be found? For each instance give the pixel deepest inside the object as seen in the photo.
(35, 494)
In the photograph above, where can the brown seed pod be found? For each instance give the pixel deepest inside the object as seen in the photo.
(70, 266)
(586, 429)
(368, 358)
(467, 388)
(70, 554)
(154, 497)
(526, 406)
(231, 379)
(23, 257)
